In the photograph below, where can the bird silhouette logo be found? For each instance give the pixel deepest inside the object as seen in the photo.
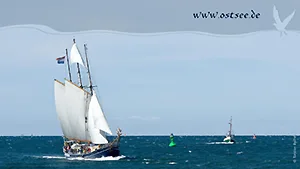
(280, 26)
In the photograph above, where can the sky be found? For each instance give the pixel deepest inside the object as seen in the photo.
(145, 16)
(181, 83)
(187, 83)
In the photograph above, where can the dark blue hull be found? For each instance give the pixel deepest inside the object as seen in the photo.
(103, 152)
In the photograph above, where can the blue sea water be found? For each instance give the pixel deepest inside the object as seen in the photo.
(141, 152)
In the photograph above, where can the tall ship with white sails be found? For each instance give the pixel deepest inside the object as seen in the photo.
(229, 137)
(81, 117)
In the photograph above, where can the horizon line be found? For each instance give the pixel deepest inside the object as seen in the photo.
(158, 135)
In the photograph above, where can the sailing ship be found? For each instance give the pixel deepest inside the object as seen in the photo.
(80, 114)
(229, 137)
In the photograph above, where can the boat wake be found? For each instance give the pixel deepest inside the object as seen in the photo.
(220, 143)
(109, 158)
(51, 157)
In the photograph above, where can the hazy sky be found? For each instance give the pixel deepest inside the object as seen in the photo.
(184, 83)
(145, 16)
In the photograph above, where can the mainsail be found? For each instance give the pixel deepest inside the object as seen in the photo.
(59, 93)
(76, 102)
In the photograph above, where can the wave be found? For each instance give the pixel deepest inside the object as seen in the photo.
(100, 159)
(48, 30)
(109, 158)
(220, 143)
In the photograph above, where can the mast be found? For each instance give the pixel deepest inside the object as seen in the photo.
(89, 73)
(230, 123)
(78, 71)
(68, 64)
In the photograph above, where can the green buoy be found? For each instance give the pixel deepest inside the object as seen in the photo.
(172, 143)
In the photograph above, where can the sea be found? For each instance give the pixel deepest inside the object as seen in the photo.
(153, 152)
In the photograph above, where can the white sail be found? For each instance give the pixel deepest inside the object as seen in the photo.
(59, 94)
(76, 101)
(98, 115)
(75, 56)
(95, 136)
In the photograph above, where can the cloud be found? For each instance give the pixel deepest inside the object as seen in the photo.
(144, 118)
